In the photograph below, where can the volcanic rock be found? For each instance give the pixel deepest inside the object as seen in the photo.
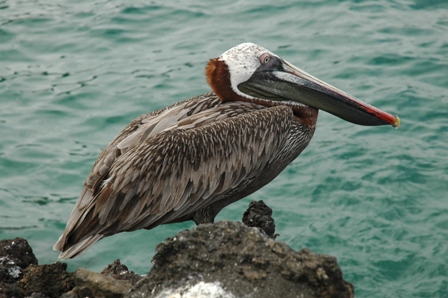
(242, 262)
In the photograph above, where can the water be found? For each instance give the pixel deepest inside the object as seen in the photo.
(73, 74)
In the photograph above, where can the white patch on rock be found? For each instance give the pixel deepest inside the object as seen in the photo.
(15, 271)
(6, 261)
(199, 290)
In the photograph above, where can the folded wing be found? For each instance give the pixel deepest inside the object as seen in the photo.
(166, 165)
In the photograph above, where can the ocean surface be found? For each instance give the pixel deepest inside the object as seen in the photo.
(74, 73)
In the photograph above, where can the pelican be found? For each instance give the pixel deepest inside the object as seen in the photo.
(193, 158)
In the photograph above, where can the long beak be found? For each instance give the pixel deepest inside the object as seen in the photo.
(292, 83)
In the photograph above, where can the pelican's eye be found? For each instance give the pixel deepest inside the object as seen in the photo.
(265, 58)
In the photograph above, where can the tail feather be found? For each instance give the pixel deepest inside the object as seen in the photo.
(76, 249)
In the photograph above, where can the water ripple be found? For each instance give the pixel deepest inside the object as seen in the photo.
(72, 75)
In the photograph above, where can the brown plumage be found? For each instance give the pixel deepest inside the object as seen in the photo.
(193, 158)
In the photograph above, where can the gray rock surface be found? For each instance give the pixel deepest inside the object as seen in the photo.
(47, 280)
(120, 271)
(243, 261)
(92, 284)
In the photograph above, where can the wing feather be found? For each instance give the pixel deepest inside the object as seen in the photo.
(180, 166)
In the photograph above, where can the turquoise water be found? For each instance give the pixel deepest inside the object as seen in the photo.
(72, 75)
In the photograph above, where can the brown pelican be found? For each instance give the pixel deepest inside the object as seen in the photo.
(193, 158)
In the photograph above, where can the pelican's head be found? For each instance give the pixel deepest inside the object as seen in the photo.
(249, 72)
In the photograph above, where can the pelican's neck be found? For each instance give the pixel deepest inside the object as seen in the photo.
(218, 77)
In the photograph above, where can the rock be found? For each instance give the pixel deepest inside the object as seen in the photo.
(20, 276)
(114, 281)
(226, 259)
(259, 215)
(37, 295)
(119, 271)
(92, 284)
(238, 261)
(15, 255)
(46, 280)
(9, 290)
